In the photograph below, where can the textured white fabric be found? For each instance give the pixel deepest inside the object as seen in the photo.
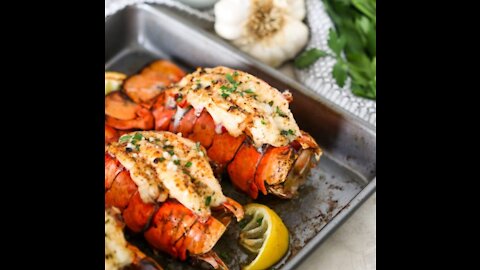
(317, 77)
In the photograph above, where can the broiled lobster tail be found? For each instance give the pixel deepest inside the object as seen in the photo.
(245, 125)
(169, 167)
(119, 254)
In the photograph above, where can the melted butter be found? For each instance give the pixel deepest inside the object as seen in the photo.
(253, 108)
(167, 165)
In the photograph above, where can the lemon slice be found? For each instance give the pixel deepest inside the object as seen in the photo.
(113, 81)
(265, 235)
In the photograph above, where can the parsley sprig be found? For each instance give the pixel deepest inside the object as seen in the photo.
(355, 36)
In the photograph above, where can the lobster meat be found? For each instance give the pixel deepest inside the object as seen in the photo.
(119, 254)
(164, 187)
(245, 124)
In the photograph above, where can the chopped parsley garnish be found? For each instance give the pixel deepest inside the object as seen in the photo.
(168, 147)
(125, 138)
(171, 152)
(249, 91)
(137, 147)
(270, 103)
(230, 78)
(280, 112)
(208, 200)
(287, 132)
(226, 91)
(263, 122)
(176, 162)
(157, 160)
(188, 165)
(137, 137)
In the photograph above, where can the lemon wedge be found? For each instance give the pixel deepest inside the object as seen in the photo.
(113, 81)
(263, 234)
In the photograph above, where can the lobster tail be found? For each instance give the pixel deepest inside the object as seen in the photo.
(166, 223)
(244, 124)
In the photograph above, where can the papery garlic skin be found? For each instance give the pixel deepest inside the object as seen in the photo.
(269, 30)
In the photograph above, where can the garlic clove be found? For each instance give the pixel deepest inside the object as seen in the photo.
(297, 9)
(230, 16)
(292, 46)
(228, 31)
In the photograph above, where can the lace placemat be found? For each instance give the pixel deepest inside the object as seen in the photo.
(318, 77)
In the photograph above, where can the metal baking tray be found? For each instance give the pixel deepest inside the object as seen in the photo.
(346, 174)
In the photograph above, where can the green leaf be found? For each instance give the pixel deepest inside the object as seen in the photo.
(188, 165)
(308, 58)
(335, 43)
(366, 8)
(374, 66)
(340, 74)
(363, 24)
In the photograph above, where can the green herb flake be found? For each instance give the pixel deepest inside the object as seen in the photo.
(280, 112)
(138, 137)
(125, 138)
(270, 103)
(168, 147)
(176, 162)
(171, 152)
(208, 200)
(188, 165)
(157, 160)
(230, 78)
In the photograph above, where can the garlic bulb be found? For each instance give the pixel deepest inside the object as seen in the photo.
(269, 30)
